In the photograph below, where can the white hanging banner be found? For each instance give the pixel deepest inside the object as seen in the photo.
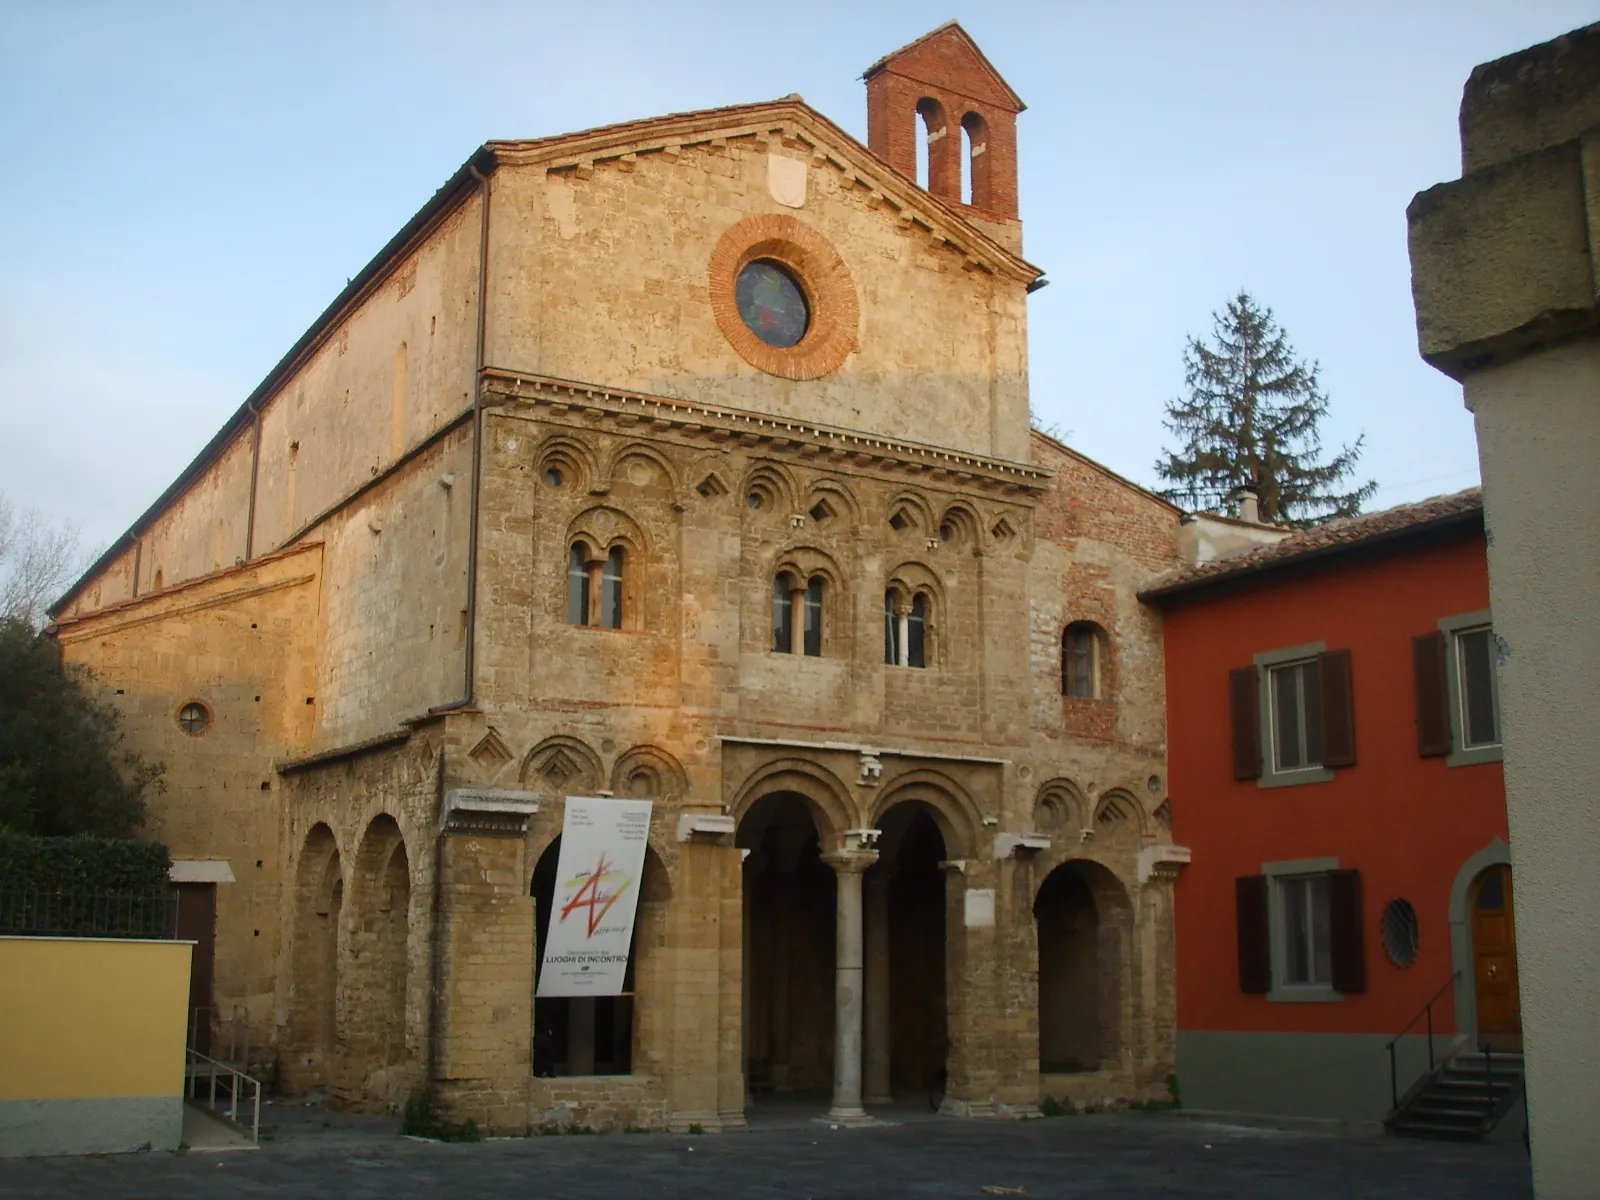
(596, 896)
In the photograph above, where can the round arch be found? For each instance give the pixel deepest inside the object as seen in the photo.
(1462, 957)
(827, 798)
(1084, 923)
(952, 807)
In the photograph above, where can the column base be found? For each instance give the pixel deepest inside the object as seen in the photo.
(849, 1115)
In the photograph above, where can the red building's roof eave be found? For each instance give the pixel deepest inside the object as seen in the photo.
(1380, 532)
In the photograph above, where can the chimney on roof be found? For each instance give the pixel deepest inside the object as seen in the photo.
(1249, 506)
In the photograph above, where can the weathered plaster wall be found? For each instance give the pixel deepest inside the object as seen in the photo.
(601, 274)
(387, 378)
(243, 644)
(1538, 423)
(393, 625)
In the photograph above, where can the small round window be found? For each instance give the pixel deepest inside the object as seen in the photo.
(194, 718)
(1400, 933)
(771, 303)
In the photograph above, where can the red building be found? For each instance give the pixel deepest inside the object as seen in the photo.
(1335, 770)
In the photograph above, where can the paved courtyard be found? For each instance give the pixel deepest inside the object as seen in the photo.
(1105, 1156)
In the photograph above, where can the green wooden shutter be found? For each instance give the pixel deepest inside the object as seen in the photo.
(1433, 694)
(1255, 948)
(1345, 933)
(1244, 702)
(1338, 709)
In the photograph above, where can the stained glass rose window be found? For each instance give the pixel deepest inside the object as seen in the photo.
(771, 303)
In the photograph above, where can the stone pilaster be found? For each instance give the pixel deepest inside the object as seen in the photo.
(484, 963)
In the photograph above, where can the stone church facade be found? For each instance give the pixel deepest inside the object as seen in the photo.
(686, 459)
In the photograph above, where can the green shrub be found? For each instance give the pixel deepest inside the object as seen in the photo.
(82, 864)
(422, 1119)
(1054, 1108)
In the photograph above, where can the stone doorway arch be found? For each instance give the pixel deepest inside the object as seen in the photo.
(378, 969)
(310, 1047)
(1084, 920)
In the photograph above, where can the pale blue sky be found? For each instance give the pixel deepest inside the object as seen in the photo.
(186, 186)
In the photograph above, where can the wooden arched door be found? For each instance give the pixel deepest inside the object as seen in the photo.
(1494, 954)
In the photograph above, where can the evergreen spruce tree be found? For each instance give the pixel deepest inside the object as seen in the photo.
(1251, 421)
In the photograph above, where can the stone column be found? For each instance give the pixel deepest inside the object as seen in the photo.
(848, 867)
(902, 625)
(877, 984)
(797, 620)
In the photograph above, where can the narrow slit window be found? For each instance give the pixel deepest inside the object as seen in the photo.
(813, 644)
(891, 628)
(1080, 650)
(783, 613)
(917, 632)
(611, 590)
(578, 584)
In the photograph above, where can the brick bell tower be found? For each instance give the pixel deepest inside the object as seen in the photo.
(943, 83)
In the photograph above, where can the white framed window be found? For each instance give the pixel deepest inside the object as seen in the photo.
(1477, 700)
(1307, 945)
(1296, 729)
(1472, 691)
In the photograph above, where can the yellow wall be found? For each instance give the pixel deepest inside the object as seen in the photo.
(81, 1017)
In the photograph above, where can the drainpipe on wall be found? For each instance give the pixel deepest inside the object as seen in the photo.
(255, 473)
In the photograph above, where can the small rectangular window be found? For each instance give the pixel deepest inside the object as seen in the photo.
(1307, 946)
(1480, 725)
(1296, 716)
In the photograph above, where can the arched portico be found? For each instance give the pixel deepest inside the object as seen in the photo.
(805, 856)
(318, 910)
(1084, 920)
(907, 1035)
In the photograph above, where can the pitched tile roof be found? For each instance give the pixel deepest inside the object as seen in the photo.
(1323, 541)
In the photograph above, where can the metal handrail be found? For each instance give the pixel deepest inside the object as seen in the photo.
(1427, 1011)
(232, 1080)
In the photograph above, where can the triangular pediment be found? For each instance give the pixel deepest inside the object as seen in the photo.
(783, 126)
(945, 54)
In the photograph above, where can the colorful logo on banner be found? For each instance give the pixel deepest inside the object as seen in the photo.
(590, 932)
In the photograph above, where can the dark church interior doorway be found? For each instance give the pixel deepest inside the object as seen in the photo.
(577, 1035)
(910, 851)
(789, 948)
(1083, 918)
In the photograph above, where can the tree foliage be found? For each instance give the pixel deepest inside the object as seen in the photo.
(38, 558)
(64, 768)
(1251, 420)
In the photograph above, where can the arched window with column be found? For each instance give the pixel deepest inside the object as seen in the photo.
(905, 638)
(798, 611)
(595, 586)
